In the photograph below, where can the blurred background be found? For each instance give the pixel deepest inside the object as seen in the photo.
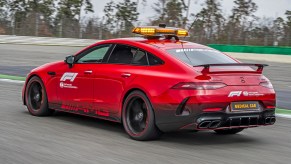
(236, 22)
(35, 32)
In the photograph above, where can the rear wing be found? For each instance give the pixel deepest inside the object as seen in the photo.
(206, 69)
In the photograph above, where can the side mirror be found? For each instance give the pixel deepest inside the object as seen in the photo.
(70, 60)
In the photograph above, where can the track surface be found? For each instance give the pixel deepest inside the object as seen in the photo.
(20, 59)
(68, 139)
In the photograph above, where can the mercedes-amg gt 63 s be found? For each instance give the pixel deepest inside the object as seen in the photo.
(155, 83)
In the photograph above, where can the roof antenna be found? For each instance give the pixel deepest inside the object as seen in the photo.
(162, 25)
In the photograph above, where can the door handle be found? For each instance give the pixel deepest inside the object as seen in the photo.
(88, 72)
(51, 73)
(125, 75)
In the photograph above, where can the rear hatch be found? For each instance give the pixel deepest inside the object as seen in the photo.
(220, 67)
(237, 80)
(233, 74)
(243, 92)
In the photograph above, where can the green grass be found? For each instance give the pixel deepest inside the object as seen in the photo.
(283, 111)
(278, 110)
(12, 77)
(43, 44)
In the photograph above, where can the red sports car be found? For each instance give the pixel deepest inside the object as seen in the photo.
(153, 84)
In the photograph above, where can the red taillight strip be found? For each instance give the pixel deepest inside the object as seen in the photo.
(199, 85)
(212, 109)
(270, 107)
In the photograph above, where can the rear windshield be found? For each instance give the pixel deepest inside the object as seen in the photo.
(200, 56)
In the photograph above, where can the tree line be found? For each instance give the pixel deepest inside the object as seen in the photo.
(76, 18)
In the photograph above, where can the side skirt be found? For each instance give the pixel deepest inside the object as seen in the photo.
(85, 112)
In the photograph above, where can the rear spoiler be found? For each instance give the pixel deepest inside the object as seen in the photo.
(206, 69)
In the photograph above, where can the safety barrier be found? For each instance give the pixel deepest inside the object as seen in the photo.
(252, 49)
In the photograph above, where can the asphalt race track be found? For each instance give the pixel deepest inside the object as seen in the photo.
(66, 138)
(20, 59)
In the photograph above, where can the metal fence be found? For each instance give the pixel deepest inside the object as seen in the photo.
(97, 30)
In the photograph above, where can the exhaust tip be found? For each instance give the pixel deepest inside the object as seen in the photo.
(270, 120)
(204, 124)
(214, 124)
(273, 120)
(267, 120)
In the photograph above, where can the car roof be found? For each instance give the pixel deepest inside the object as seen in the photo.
(160, 43)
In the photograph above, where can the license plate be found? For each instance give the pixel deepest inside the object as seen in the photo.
(245, 106)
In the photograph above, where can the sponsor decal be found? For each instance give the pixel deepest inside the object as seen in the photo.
(85, 109)
(254, 94)
(191, 49)
(234, 93)
(70, 77)
(244, 93)
(66, 85)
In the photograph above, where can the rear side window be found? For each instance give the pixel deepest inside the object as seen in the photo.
(124, 54)
(153, 60)
(140, 58)
(201, 56)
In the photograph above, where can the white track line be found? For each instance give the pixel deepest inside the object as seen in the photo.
(12, 81)
(283, 115)
(22, 82)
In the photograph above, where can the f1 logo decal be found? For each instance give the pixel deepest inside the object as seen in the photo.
(69, 76)
(234, 93)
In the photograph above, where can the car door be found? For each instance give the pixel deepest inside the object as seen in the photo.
(120, 70)
(76, 88)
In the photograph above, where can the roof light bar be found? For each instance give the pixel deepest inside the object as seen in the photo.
(158, 31)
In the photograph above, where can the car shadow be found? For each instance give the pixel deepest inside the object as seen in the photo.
(90, 122)
(208, 138)
(179, 137)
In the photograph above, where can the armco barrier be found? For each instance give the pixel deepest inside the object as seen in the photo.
(252, 49)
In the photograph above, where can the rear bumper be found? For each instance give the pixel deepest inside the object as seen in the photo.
(215, 121)
(183, 109)
(221, 120)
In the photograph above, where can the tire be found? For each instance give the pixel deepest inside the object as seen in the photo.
(229, 131)
(138, 117)
(36, 98)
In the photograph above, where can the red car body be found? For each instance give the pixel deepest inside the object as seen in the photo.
(100, 89)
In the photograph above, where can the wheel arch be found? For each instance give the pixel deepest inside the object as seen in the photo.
(25, 85)
(131, 90)
(127, 93)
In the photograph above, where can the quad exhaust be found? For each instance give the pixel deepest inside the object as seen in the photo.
(209, 124)
(250, 121)
(270, 120)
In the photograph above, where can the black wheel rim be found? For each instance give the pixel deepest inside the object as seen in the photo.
(137, 117)
(35, 95)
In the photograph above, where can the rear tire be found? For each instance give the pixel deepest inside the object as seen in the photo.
(229, 131)
(138, 117)
(36, 98)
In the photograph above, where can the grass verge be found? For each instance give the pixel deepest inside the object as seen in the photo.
(10, 77)
(283, 111)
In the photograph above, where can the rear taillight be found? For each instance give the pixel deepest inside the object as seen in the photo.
(266, 84)
(199, 85)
